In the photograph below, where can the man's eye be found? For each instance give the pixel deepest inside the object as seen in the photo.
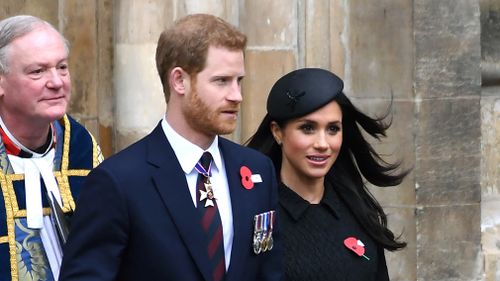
(36, 73)
(63, 69)
(221, 81)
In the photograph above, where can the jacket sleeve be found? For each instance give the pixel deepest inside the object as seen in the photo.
(98, 231)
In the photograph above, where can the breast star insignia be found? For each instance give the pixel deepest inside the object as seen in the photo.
(207, 195)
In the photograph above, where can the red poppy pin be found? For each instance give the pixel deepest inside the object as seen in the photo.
(356, 246)
(247, 179)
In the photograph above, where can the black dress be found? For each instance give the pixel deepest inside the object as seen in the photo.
(313, 237)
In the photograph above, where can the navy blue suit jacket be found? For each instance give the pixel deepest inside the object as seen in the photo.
(135, 219)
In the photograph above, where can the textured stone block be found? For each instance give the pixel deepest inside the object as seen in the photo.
(490, 225)
(490, 30)
(338, 27)
(447, 128)
(448, 151)
(138, 89)
(443, 226)
(270, 23)
(380, 46)
(139, 21)
(392, 196)
(44, 9)
(397, 147)
(105, 68)
(449, 243)
(263, 68)
(317, 33)
(399, 143)
(456, 262)
(80, 29)
(450, 180)
(106, 140)
(401, 264)
(91, 125)
(492, 267)
(447, 49)
(402, 222)
(226, 9)
(490, 42)
(490, 142)
(490, 182)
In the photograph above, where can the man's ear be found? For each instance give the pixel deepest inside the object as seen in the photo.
(179, 80)
(2, 80)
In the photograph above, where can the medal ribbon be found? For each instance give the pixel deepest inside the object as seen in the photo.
(201, 170)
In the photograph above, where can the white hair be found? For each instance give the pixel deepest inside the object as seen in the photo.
(17, 26)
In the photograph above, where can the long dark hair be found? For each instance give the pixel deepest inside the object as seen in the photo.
(356, 159)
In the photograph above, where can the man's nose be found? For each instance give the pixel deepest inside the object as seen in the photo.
(235, 92)
(54, 80)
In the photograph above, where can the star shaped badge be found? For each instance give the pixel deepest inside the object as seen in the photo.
(207, 195)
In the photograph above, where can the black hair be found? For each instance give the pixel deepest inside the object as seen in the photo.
(356, 159)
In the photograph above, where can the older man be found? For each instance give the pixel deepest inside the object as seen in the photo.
(44, 153)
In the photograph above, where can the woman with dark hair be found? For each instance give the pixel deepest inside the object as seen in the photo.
(333, 228)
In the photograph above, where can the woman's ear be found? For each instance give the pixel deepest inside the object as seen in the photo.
(179, 80)
(276, 131)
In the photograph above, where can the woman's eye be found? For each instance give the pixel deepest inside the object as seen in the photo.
(307, 129)
(334, 129)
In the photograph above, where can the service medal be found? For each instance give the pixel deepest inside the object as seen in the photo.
(257, 234)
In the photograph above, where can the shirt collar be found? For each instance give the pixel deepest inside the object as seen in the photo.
(14, 147)
(187, 153)
(296, 206)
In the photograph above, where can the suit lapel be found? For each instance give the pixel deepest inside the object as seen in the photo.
(170, 182)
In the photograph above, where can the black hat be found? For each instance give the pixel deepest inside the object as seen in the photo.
(301, 92)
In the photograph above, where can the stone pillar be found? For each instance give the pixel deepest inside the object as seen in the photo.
(44, 9)
(448, 138)
(88, 27)
(490, 142)
(139, 100)
(373, 50)
(269, 54)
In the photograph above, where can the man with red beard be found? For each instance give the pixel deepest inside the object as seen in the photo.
(183, 203)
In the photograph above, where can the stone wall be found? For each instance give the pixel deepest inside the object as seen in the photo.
(490, 141)
(434, 64)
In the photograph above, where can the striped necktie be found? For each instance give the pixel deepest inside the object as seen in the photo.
(210, 217)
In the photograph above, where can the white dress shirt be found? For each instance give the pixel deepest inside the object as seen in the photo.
(188, 154)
